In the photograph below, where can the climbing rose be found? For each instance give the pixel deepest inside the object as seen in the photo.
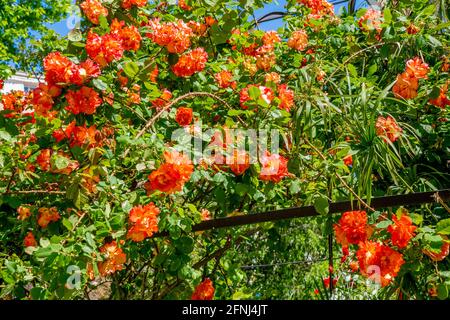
(171, 176)
(114, 259)
(224, 79)
(127, 4)
(271, 38)
(29, 240)
(175, 36)
(373, 255)
(272, 77)
(183, 116)
(86, 100)
(406, 86)
(240, 162)
(24, 213)
(318, 7)
(286, 97)
(388, 128)
(204, 291)
(163, 99)
(352, 228)
(129, 35)
(348, 160)
(43, 159)
(190, 63)
(47, 215)
(298, 40)
(371, 20)
(93, 9)
(441, 101)
(183, 5)
(273, 167)
(143, 221)
(104, 49)
(417, 68)
(401, 231)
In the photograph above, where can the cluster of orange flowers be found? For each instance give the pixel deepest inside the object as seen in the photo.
(183, 5)
(43, 99)
(184, 116)
(17, 103)
(143, 221)
(387, 128)
(371, 20)
(171, 176)
(402, 231)
(128, 4)
(225, 80)
(286, 97)
(85, 100)
(353, 229)
(110, 47)
(24, 212)
(318, 7)
(373, 255)
(60, 70)
(441, 101)
(114, 259)
(442, 254)
(190, 63)
(93, 9)
(175, 36)
(47, 215)
(81, 135)
(273, 167)
(30, 240)
(408, 82)
(204, 291)
(298, 40)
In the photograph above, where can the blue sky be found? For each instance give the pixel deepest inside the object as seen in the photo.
(62, 27)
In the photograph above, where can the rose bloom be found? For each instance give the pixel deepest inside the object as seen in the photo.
(204, 291)
(272, 77)
(24, 213)
(406, 86)
(86, 100)
(190, 63)
(129, 35)
(273, 167)
(163, 99)
(30, 240)
(104, 49)
(184, 116)
(417, 68)
(318, 7)
(47, 215)
(441, 101)
(298, 40)
(143, 221)
(371, 20)
(93, 9)
(348, 160)
(115, 258)
(175, 36)
(377, 255)
(352, 228)
(240, 162)
(224, 79)
(388, 128)
(402, 231)
(127, 4)
(271, 38)
(286, 97)
(266, 61)
(43, 159)
(183, 5)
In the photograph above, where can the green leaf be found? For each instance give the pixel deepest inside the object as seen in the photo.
(443, 227)
(434, 42)
(4, 135)
(75, 35)
(383, 224)
(100, 84)
(131, 69)
(321, 205)
(352, 69)
(442, 290)
(387, 16)
(185, 244)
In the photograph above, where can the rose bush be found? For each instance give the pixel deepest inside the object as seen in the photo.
(95, 161)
